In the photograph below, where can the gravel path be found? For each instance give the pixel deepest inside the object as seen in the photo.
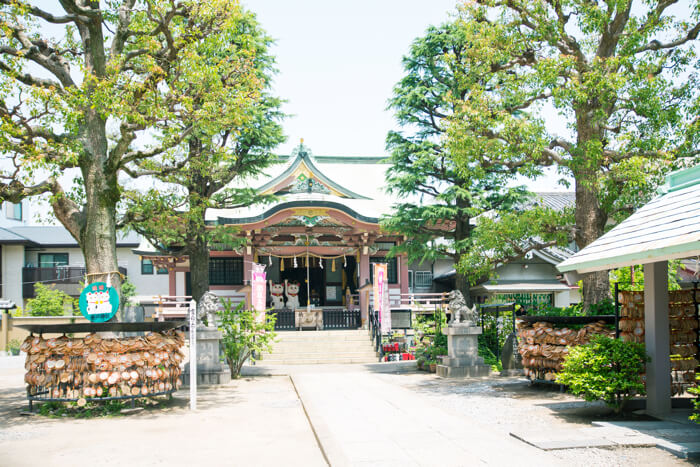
(512, 404)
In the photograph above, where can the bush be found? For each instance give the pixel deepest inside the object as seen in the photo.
(243, 335)
(696, 402)
(605, 369)
(128, 291)
(14, 346)
(48, 301)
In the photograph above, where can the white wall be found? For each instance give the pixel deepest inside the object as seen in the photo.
(146, 284)
(534, 271)
(6, 222)
(179, 284)
(12, 262)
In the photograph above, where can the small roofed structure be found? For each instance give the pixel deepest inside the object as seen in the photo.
(668, 227)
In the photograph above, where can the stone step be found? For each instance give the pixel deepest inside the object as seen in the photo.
(303, 354)
(338, 334)
(316, 360)
(320, 345)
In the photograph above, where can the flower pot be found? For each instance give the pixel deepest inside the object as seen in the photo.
(433, 367)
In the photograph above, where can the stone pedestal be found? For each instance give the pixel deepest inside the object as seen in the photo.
(210, 369)
(462, 353)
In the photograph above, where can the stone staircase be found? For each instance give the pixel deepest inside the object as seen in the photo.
(314, 347)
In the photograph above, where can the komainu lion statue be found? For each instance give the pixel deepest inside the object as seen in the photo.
(460, 311)
(206, 309)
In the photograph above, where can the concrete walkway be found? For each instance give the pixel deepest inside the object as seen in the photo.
(250, 422)
(361, 420)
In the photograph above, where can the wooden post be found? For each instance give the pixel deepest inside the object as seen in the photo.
(5, 341)
(657, 338)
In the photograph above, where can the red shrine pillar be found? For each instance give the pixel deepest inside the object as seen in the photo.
(364, 277)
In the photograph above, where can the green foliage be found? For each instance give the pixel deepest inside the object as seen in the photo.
(128, 291)
(605, 369)
(244, 336)
(487, 354)
(604, 307)
(94, 409)
(696, 403)
(235, 125)
(622, 78)
(446, 178)
(13, 346)
(623, 276)
(128, 90)
(48, 301)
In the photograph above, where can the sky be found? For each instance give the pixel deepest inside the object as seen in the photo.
(338, 62)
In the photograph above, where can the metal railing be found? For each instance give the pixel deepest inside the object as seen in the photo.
(497, 322)
(341, 318)
(68, 278)
(285, 319)
(375, 332)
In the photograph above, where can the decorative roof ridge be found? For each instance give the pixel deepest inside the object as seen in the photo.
(303, 156)
(680, 179)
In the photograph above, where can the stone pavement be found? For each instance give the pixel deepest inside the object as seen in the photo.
(362, 421)
(249, 422)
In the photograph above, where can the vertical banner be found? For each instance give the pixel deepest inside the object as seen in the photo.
(259, 290)
(193, 355)
(381, 296)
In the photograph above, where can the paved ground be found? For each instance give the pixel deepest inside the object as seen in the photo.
(249, 422)
(368, 418)
(363, 415)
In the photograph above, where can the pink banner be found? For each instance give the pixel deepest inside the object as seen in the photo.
(259, 287)
(381, 296)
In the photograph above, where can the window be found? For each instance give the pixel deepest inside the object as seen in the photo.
(162, 271)
(391, 270)
(146, 266)
(226, 271)
(51, 260)
(13, 211)
(424, 279)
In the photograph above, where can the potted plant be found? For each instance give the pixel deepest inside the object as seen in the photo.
(433, 366)
(420, 361)
(14, 346)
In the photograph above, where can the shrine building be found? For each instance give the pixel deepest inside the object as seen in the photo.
(327, 217)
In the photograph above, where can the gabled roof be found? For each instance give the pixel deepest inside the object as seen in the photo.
(58, 236)
(667, 227)
(557, 200)
(8, 237)
(303, 175)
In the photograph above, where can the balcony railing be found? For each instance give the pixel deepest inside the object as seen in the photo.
(65, 278)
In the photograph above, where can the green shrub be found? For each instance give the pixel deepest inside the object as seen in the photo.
(128, 291)
(243, 335)
(605, 369)
(13, 346)
(48, 301)
(696, 402)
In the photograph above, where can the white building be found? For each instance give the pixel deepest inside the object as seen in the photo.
(49, 254)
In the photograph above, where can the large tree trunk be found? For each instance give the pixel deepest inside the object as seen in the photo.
(589, 215)
(199, 267)
(197, 244)
(462, 231)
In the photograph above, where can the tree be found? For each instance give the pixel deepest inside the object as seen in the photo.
(245, 336)
(94, 102)
(450, 178)
(619, 75)
(234, 127)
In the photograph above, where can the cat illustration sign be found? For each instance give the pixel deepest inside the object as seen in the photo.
(98, 302)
